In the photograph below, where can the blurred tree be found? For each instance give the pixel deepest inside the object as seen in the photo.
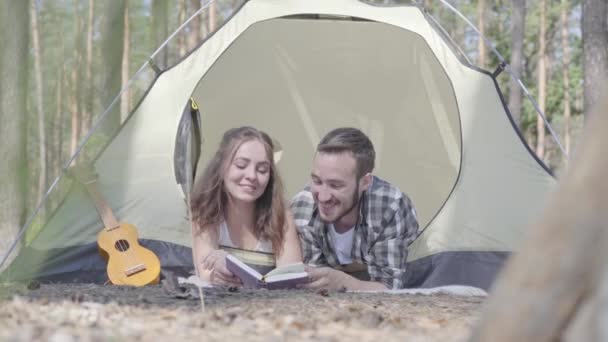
(195, 25)
(482, 49)
(565, 73)
(75, 95)
(541, 80)
(56, 136)
(518, 25)
(14, 34)
(39, 82)
(538, 299)
(125, 101)
(212, 17)
(87, 112)
(160, 30)
(110, 66)
(181, 38)
(594, 23)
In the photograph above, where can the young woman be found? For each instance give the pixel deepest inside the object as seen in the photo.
(238, 206)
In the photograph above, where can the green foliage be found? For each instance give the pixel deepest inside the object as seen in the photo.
(498, 31)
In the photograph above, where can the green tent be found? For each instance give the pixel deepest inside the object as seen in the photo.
(296, 69)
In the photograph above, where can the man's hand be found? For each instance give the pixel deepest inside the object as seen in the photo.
(216, 262)
(326, 278)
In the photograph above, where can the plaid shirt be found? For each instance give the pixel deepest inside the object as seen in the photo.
(387, 225)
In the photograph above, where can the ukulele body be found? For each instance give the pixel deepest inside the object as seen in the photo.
(128, 262)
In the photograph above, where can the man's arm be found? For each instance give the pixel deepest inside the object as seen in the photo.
(332, 279)
(388, 254)
(302, 209)
(311, 246)
(387, 258)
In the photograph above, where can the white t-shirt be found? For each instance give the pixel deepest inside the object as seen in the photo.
(343, 244)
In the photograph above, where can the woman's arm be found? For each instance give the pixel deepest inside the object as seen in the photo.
(291, 252)
(209, 261)
(202, 244)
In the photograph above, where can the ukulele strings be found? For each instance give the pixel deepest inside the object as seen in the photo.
(125, 248)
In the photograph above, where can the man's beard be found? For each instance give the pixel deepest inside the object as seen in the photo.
(355, 199)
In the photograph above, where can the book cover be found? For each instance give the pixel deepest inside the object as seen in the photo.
(283, 277)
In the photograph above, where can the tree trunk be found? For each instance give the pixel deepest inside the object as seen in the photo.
(111, 63)
(566, 75)
(37, 50)
(160, 29)
(212, 17)
(73, 105)
(598, 326)
(181, 39)
(58, 125)
(481, 25)
(75, 93)
(594, 24)
(194, 36)
(546, 287)
(542, 81)
(62, 146)
(14, 34)
(517, 52)
(125, 102)
(87, 115)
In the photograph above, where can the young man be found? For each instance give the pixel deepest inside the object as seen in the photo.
(349, 219)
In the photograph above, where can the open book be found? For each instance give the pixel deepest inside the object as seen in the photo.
(283, 277)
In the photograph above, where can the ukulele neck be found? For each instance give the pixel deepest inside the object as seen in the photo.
(103, 209)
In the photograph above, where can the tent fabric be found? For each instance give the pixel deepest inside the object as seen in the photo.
(471, 268)
(83, 264)
(372, 90)
(296, 69)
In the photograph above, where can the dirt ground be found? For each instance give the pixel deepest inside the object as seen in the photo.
(86, 312)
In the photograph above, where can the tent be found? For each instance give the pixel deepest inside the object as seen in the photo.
(296, 69)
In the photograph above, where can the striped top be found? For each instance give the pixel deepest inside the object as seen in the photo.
(226, 241)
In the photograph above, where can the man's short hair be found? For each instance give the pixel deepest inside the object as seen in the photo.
(348, 139)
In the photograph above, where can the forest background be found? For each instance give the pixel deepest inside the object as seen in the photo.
(64, 62)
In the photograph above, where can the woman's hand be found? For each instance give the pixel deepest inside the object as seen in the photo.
(216, 263)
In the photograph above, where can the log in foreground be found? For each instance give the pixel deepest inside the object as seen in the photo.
(558, 274)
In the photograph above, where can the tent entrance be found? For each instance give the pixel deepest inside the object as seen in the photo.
(298, 78)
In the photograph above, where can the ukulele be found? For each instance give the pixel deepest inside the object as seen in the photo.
(128, 262)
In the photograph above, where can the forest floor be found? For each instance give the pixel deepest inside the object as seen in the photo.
(87, 312)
